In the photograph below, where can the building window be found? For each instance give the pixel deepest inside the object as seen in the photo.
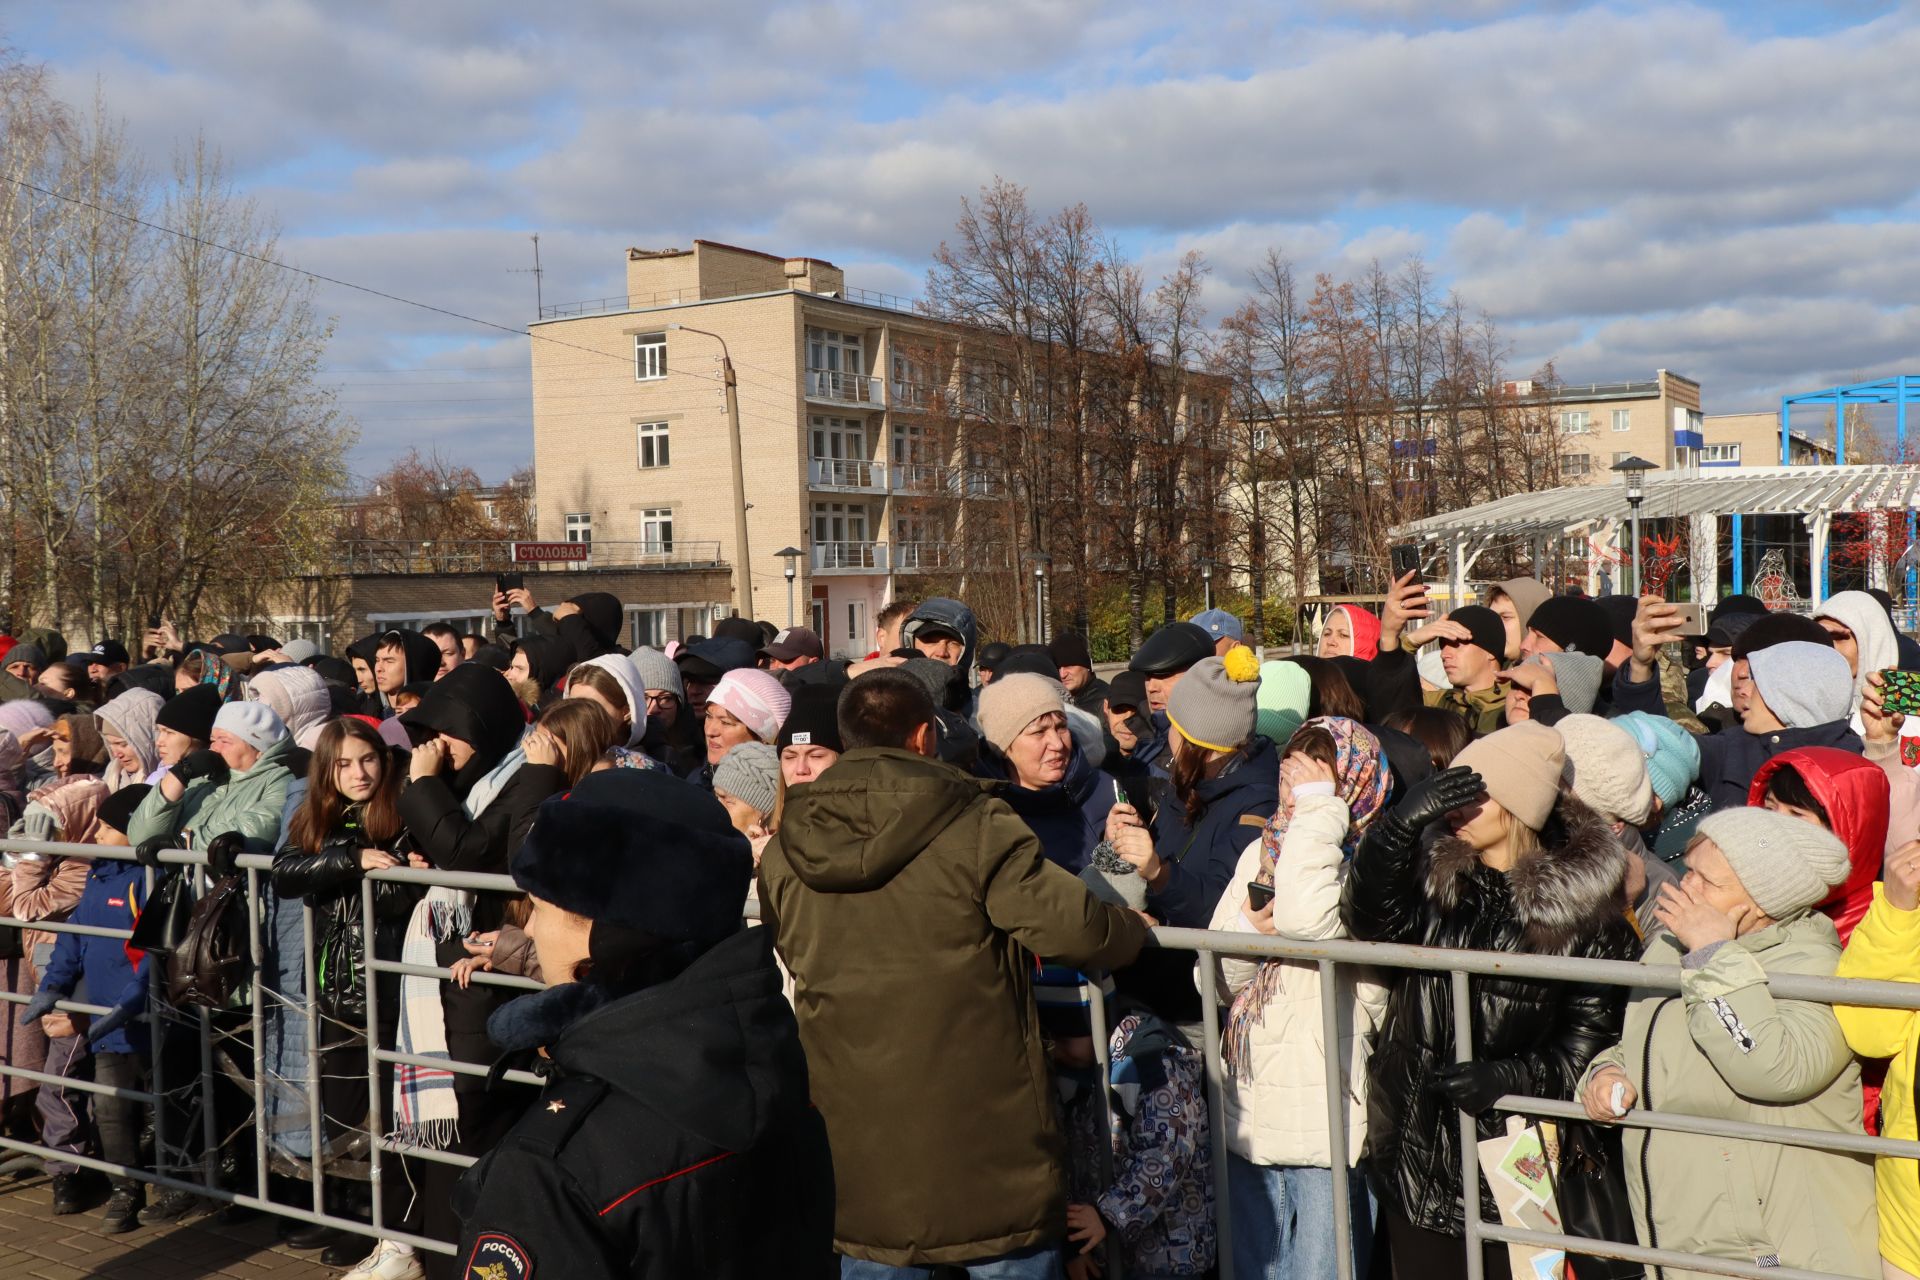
(652, 437)
(1623, 419)
(1574, 465)
(656, 530)
(647, 627)
(579, 526)
(1721, 454)
(1262, 438)
(856, 622)
(1576, 422)
(649, 356)
(1621, 455)
(820, 618)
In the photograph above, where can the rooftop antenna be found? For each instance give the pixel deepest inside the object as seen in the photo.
(535, 272)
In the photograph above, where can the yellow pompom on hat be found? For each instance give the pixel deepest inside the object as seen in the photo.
(1215, 702)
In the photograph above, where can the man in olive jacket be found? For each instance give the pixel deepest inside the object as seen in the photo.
(909, 904)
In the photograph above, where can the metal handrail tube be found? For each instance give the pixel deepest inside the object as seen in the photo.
(1652, 1257)
(513, 980)
(1612, 973)
(456, 1066)
(1738, 1130)
(227, 1197)
(64, 1006)
(479, 881)
(85, 1086)
(61, 926)
(453, 1158)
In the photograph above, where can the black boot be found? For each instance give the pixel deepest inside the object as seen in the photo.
(69, 1194)
(123, 1209)
(316, 1235)
(170, 1206)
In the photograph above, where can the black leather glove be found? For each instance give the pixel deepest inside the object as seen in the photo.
(39, 1007)
(147, 852)
(1432, 799)
(201, 764)
(107, 1024)
(1473, 1086)
(221, 851)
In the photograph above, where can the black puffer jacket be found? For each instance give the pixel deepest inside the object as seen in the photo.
(1566, 899)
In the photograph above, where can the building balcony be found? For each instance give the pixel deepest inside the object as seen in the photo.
(924, 477)
(916, 397)
(837, 388)
(853, 475)
(832, 558)
(924, 557)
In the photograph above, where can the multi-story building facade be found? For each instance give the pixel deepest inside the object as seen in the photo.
(847, 402)
(1660, 420)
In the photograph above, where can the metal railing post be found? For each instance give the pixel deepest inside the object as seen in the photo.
(156, 1028)
(259, 954)
(1217, 1110)
(1469, 1130)
(316, 1135)
(376, 1100)
(1102, 1057)
(1336, 1119)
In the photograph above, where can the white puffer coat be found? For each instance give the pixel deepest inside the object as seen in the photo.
(1278, 1114)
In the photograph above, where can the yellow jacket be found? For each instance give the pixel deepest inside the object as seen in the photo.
(1886, 945)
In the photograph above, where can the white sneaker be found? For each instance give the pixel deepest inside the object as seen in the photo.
(388, 1261)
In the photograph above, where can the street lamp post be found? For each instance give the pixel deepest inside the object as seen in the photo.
(1206, 581)
(1040, 562)
(790, 554)
(1633, 476)
(743, 572)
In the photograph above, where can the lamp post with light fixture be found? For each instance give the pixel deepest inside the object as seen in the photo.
(1633, 476)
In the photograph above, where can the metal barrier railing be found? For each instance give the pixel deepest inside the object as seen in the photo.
(1332, 958)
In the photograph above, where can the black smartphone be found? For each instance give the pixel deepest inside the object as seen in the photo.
(1406, 559)
(505, 582)
(153, 622)
(1259, 896)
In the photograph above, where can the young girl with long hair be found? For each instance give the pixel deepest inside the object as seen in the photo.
(347, 825)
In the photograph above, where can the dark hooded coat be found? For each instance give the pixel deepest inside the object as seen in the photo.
(674, 1138)
(929, 1067)
(1565, 899)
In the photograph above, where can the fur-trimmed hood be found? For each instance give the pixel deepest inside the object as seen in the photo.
(1564, 892)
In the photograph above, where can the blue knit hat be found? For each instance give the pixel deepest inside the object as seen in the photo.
(1673, 756)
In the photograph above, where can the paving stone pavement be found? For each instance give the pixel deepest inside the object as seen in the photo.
(35, 1245)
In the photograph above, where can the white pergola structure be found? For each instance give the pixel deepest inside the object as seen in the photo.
(1815, 494)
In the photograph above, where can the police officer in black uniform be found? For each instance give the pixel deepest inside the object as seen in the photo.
(674, 1138)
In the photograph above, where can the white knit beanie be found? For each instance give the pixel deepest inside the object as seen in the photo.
(1605, 769)
(1011, 703)
(1787, 864)
(254, 723)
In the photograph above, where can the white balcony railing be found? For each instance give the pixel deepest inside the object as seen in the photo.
(922, 477)
(847, 473)
(854, 557)
(845, 388)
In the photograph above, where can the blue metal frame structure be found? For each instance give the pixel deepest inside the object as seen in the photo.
(1898, 391)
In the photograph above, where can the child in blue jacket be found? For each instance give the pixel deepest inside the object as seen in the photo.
(120, 1042)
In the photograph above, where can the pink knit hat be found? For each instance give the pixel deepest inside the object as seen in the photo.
(756, 699)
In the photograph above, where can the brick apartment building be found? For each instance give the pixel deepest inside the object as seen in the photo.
(847, 404)
(1659, 420)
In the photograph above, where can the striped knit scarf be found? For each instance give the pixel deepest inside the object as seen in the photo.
(1363, 779)
(425, 1111)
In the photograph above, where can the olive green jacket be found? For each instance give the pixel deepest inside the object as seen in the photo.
(909, 905)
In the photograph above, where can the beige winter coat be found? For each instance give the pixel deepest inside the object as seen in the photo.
(1277, 1114)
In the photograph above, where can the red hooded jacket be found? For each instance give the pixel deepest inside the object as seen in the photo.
(1366, 631)
(1855, 793)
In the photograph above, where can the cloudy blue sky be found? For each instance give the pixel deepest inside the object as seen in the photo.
(1725, 190)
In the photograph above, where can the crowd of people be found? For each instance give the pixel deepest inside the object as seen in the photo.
(818, 941)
